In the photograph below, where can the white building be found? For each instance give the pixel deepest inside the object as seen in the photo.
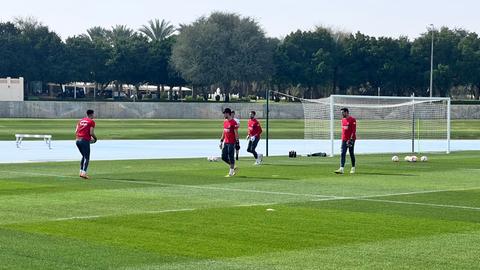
(11, 89)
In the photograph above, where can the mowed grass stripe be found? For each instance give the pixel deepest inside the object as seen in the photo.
(322, 197)
(117, 197)
(222, 233)
(233, 232)
(445, 251)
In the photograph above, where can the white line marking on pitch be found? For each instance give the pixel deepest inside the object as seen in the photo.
(134, 213)
(322, 197)
(255, 204)
(422, 204)
(78, 217)
(180, 185)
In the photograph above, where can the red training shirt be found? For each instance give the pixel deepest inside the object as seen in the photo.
(349, 128)
(229, 127)
(254, 128)
(83, 128)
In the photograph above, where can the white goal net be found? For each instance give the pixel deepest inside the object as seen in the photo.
(385, 124)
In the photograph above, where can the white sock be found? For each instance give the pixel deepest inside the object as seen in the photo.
(231, 171)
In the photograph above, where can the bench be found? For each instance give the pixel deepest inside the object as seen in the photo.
(46, 138)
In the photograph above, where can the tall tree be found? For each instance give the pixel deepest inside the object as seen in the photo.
(158, 71)
(222, 48)
(306, 58)
(157, 30)
(469, 64)
(119, 33)
(395, 73)
(101, 72)
(98, 33)
(44, 58)
(12, 51)
(446, 53)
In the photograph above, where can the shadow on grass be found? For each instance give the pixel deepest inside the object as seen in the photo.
(261, 178)
(386, 174)
(220, 179)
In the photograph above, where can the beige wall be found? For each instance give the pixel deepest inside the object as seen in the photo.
(11, 89)
(170, 110)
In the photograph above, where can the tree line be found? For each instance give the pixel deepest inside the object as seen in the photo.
(233, 53)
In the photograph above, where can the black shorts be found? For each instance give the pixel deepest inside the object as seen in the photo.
(228, 153)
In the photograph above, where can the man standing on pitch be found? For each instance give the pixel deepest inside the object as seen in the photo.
(349, 130)
(228, 140)
(85, 136)
(254, 131)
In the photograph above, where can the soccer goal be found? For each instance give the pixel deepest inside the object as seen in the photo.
(384, 124)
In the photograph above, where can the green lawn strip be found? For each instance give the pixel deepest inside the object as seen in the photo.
(120, 187)
(127, 195)
(22, 250)
(467, 198)
(63, 129)
(411, 208)
(244, 231)
(444, 251)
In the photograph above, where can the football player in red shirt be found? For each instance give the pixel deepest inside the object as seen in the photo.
(228, 140)
(85, 136)
(349, 135)
(254, 131)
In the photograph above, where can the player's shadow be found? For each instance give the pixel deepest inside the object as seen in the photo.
(262, 178)
(292, 165)
(386, 174)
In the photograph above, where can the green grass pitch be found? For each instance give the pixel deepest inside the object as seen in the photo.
(211, 129)
(184, 214)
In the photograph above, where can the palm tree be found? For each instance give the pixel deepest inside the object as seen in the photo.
(27, 24)
(97, 33)
(120, 32)
(157, 30)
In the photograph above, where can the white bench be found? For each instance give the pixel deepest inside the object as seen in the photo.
(46, 138)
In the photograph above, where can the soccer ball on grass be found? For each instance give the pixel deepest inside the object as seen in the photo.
(395, 159)
(212, 159)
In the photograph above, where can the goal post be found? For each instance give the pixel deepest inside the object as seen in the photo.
(403, 124)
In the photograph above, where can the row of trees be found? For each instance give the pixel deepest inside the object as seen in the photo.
(232, 52)
(359, 64)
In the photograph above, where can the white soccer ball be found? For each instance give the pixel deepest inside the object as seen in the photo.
(395, 159)
(424, 159)
(413, 159)
(209, 158)
(408, 158)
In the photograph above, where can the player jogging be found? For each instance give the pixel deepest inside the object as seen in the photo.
(349, 130)
(228, 140)
(237, 144)
(253, 137)
(85, 136)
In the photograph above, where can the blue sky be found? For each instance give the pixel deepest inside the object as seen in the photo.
(278, 18)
